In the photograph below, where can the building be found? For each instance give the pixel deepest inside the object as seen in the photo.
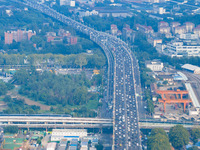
(8, 37)
(113, 29)
(188, 36)
(164, 30)
(189, 26)
(180, 49)
(128, 34)
(155, 65)
(144, 29)
(68, 134)
(154, 41)
(197, 30)
(51, 146)
(72, 40)
(173, 25)
(191, 68)
(163, 24)
(18, 36)
(114, 13)
(180, 30)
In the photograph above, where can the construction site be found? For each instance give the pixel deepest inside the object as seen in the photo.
(178, 98)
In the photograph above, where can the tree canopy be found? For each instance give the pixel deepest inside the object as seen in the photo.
(178, 136)
(158, 140)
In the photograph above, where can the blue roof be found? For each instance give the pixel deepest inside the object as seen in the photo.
(71, 136)
(197, 144)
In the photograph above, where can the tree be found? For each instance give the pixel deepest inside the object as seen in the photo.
(11, 129)
(158, 131)
(81, 60)
(178, 136)
(195, 134)
(193, 148)
(158, 142)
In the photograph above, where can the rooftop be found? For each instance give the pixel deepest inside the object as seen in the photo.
(190, 67)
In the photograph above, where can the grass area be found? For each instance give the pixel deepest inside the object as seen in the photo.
(92, 104)
(11, 140)
(11, 146)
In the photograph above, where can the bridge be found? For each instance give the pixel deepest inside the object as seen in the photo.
(37, 121)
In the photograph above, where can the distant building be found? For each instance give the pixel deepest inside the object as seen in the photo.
(189, 26)
(72, 40)
(154, 41)
(180, 30)
(163, 24)
(154, 65)
(113, 29)
(114, 13)
(144, 29)
(164, 29)
(188, 36)
(128, 34)
(174, 25)
(197, 30)
(18, 36)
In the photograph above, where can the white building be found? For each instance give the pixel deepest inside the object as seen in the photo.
(51, 146)
(154, 65)
(59, 134)
(192, 68)
(188, 36)
(179, 49)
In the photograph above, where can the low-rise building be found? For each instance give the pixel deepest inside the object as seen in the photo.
(68, 134)
(154, 65)
(192, 68)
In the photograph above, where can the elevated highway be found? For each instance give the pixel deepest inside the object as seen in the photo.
(69, 122)
(123, 79)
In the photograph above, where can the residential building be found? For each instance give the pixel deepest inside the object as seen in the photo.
(173, 25)
(128, 34)
(115, 13)
(154, 65)
(197, 30)
(188, 36)
(144, 29)
(113, 29)
(164, 30)
(180, 30)
(180, 49)
(189, 26)
(154, 41)
(18, 36)
(163, 24)
(72, 40)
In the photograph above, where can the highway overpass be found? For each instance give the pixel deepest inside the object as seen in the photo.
(69, 122)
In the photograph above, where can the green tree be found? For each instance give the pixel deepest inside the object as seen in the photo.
(193, 148)
(195, 134)
(81, 60)
(158, 142)
(158, 131)
(11, 129)
(178, 136)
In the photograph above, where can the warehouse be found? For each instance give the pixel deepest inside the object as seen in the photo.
(191, 68)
